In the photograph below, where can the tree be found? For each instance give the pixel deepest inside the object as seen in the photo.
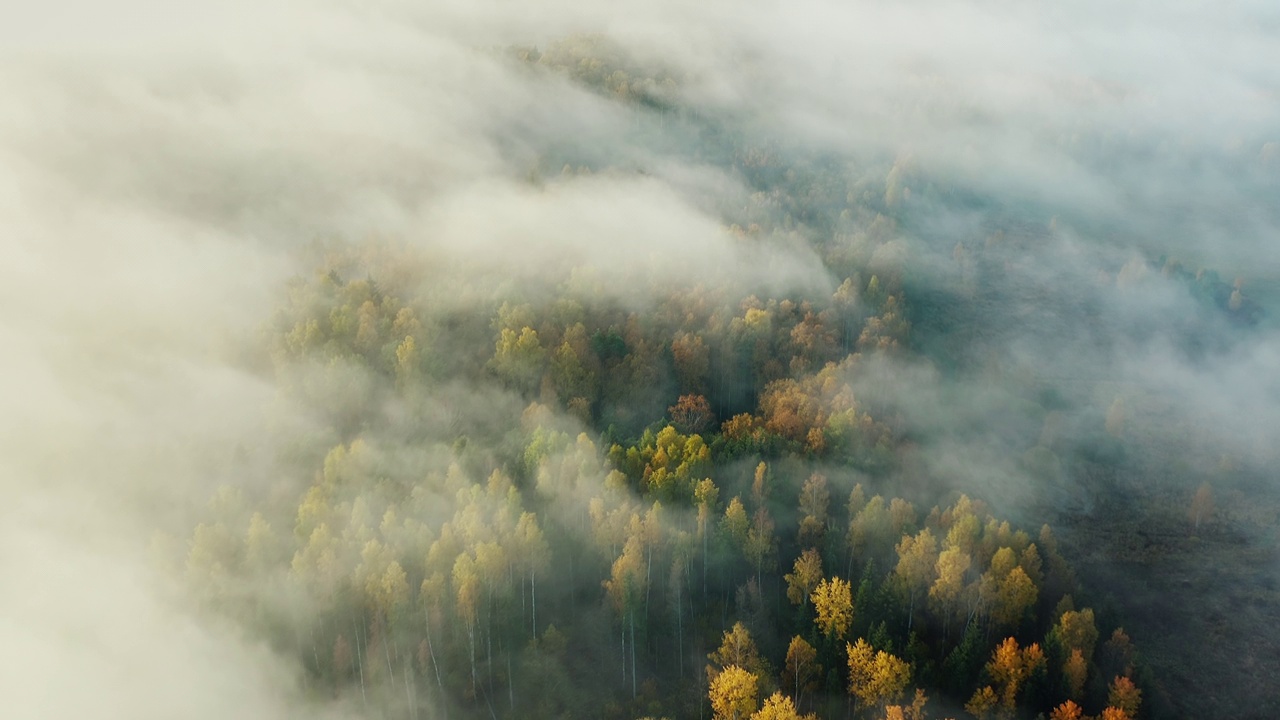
(875, 676)
(733, 694)
(983, 702)
(519, 358)
(1076, 631)
(804, 577)
(1011, 666)
(705, 494)
(779, 707)
(869, 529)
(917, 560)
(833, 601)
(692, 414)
(802, 669)
(951, 567)
(1075, 671)
(1015, 596)
(535, 557)
(626, 588)
(408, 361)
(1067, 711)
(914, 711)
(341, 658)
(260, 546)
(692, 361)
(1125, 695)
(1201, 506)
(815, 500)
(570, 368)
(1117, 656)
(466, 588)
(735, 523)
(736, 648)
(761, 546)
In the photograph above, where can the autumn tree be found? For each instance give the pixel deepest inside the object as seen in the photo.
(737, 648)
(1011, 666)
(1125, 695)
(735, 524)
(1118, 655)
(814, 502)
(833, 602)
(1075, 671)
(626, 588)
(1076, 630)
(875, 676)
(802, 668)
(761, 545)
(705, 494)
(519, 358)
(804, 577)
(466, 588)
(733, 694)
(692, 414)
(983, 703)
(779, 707)
(1067, 711)
(914, 711)
(914, 574)
(945, 593)
(1009, 590)
(692, 360)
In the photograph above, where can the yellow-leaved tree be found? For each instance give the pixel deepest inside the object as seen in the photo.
(779, 707)
(875, 676)
(1010, 667)
(802, 670)
(804, 577)
(733, 694)
(1067, 711)
(833, 602)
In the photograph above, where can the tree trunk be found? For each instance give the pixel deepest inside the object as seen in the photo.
(648, 584)
(386, 649)
(705, 533)
(359, 662)
(431, 650)
(471, 640)
(680, 632)
(408, 689)
(511, 690)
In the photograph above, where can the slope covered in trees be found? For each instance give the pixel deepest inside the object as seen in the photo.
(704, 493)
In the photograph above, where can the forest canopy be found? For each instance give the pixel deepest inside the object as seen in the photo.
(415, 363)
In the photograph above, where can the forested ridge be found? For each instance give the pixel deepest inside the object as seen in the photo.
(542, 496)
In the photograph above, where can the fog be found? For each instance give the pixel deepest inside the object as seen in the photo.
(165, 169)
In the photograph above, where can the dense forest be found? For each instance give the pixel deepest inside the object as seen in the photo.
(697, 495)
(648, 360)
